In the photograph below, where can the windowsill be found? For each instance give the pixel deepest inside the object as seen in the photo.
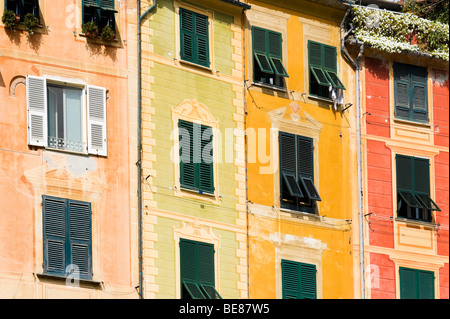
(84, 282)
(20, 26)
(409, 122)
(192, 64)
(66, 151)
(270, 87)
(113, 43)
(319, 98)
(297, 212)
(415, 222)
(197, 192)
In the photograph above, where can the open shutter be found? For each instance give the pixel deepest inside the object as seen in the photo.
(186, 144)
(260, 50)
(305, 149)
(80, 236)
(288, 166)
(96, 108)
(202, 39)
(54, 217)
(206, 163)
(37, 110)
(419, 94)
(275, 52)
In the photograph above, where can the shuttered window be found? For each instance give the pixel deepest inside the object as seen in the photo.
(268, 64)
(101, 12)
(410, 92)
(67, 237)
(416, 284)
(322, 69)
(298, 191)
(57, 117)
(413, 188)
(299, 280)
(194, 36)
(22, 7)
(196, 157)
(197, 270)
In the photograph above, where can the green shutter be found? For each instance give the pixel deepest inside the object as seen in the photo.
(404, 173)
(275, 52)
(421, 175)
(419, 94)
(299, 280)
(206, 163)
(288, 165)
(79, 214)
(55, 239)
(187, 169)
(205, 263)
(408, 284)
(315, 54)
(305, 149)
(416, 284)
(194, 34)
(268, 51)
(425, 284)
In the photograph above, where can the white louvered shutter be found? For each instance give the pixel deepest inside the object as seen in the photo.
(37, 110)
(96, 108)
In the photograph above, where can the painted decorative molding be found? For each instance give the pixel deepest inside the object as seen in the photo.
(194, 111)
(20, 79)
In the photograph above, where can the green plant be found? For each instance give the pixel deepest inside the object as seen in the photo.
(30, 22)
(107, 34)
(90, 29)
(9, 19)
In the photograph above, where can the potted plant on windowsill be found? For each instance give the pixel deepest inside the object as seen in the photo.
(90, 30)
(9, 19)
(108, 34)
(30, 22)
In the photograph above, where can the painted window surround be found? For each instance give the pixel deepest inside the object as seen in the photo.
(414, 265)
(210, 14)
(195, 112)
(196, 232)
(276, 21)
(310, 128)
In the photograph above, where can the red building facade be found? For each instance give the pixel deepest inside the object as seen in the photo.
(405, 125)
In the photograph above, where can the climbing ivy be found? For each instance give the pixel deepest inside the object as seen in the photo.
(394, 32)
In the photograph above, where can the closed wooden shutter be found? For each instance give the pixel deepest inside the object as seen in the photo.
(205, 263)
(187, 169)
(299, 280)
(96, 124)
(416, 284)
(419, 94)
(194, 37)
(54, 224)
(37, 110)
(79, 215)
(206, 165)
(421, 175)
(305, 151)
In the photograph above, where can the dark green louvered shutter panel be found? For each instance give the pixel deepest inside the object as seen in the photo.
(80, 236)
(402, 91)
(290, 279)
(329, 58)
(187, 169)
(419, 94)
(408, 284)
(425, 284)
(421, 175)
(54, 215)
(202, 39)
(299, 280)
(275, 52)
(305, 157)
(206, 163)
(288, 166)
(315, 54)
(205, 263)
(194, 35)
(260, 45)
(404, 173)
(188, 260)
(107, 4)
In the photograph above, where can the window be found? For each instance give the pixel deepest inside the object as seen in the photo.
(298, 280)
(268, 65)
(22, 7)
(101, 12)
(322, 70)
(67, 237)
(196, 157)
(58, 116)
(416, 284)
(194, 36)
(197, 270)
(297, 173)
(413, 188)
(410, 92)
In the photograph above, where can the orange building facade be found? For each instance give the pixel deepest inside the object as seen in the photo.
(67, 159)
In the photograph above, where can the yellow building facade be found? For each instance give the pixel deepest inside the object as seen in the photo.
(300, 152)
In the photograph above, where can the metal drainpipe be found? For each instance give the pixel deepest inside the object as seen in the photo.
(139, 162)
(356, 66)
